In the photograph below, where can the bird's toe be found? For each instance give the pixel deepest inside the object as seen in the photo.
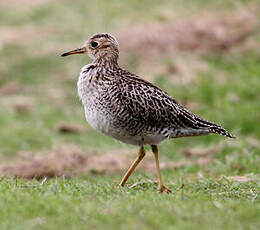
(164, 189)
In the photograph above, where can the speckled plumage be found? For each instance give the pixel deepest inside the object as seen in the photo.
(129, 108)
(132, 110)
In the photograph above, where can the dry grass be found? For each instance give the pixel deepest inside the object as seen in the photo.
(202, 151)
(9, 88)
(69, 128)
(19, 103)
(24, 35)
(22, 3)
(203, 34)
(71, 161)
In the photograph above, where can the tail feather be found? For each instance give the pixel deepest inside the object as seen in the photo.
(197, 123)
(214, 128)
(221, 131)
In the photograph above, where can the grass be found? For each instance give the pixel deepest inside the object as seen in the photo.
(227, 92)
(98, 202)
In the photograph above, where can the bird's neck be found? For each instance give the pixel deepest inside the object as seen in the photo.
(107, 61)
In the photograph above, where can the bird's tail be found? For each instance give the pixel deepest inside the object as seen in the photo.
(221, 131)
(213, 128)
(198, 123)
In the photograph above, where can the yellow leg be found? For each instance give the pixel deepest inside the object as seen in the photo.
(161, 187)
(141, 155)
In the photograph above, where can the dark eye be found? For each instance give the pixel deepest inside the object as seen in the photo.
(94, 44)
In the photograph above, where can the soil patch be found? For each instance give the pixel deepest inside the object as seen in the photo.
(203, 34)
(70, 161)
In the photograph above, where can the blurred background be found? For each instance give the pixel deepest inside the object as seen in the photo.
(204, 53)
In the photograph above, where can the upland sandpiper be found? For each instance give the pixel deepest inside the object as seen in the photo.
(130, 109)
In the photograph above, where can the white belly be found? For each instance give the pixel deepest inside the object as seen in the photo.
(98, 120)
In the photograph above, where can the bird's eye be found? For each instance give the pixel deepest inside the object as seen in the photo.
(94, 44)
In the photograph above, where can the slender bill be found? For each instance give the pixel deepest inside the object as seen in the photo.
(76, 51)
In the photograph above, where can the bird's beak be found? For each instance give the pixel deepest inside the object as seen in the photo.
(76, 51)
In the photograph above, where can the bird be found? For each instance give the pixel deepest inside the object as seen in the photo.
(129, 108)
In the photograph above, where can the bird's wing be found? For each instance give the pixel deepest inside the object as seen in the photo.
(151, 105)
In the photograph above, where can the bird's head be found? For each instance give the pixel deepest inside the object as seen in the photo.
(99, 46)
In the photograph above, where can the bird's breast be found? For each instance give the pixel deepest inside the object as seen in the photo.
(92, 95)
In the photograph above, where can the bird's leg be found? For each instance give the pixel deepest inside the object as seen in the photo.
(141, 155)
(161, 187)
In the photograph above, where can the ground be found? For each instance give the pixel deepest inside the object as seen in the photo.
(57, 172)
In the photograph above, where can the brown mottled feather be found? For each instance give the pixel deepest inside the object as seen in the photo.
(129, 108)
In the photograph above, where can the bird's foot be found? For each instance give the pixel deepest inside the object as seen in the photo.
(163, 189)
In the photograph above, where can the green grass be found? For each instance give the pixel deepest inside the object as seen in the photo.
(227, 93)
(98, 202)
